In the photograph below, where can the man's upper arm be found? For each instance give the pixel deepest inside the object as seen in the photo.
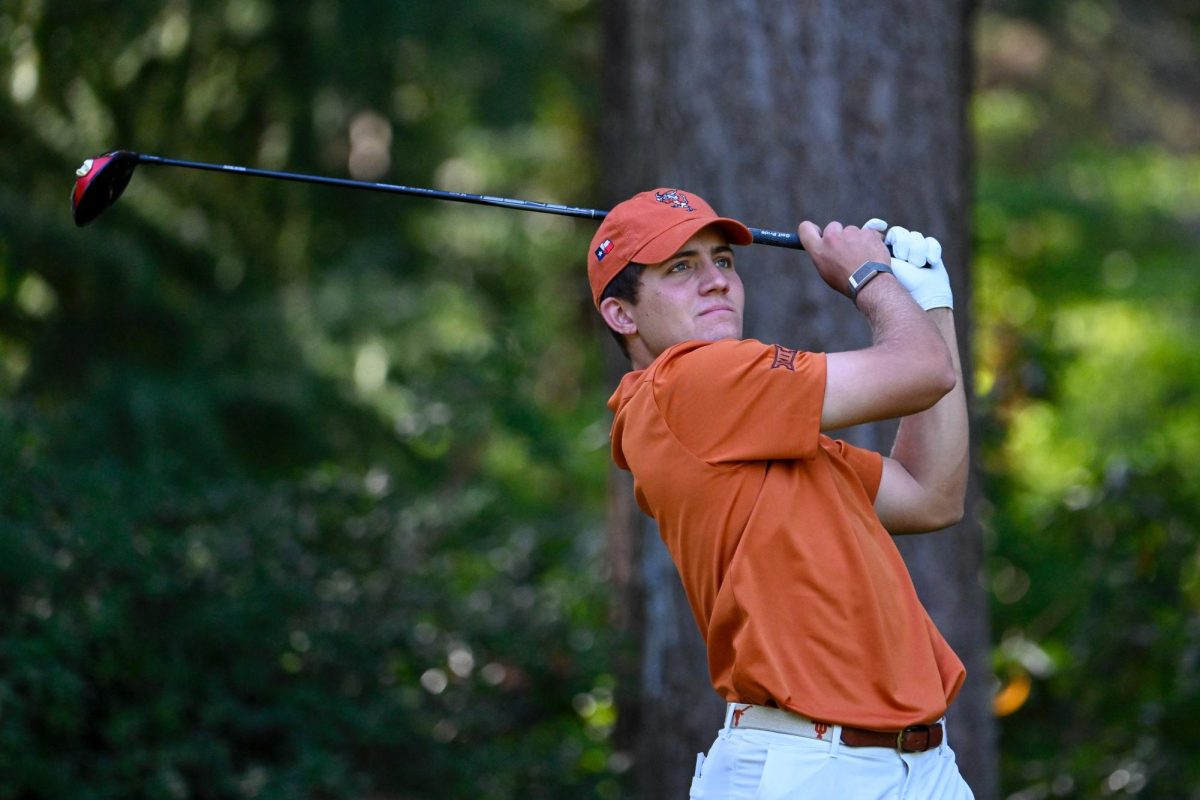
(906, 369)
(903, 505)
(879, 383)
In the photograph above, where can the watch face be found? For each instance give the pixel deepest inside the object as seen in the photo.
(863, 274)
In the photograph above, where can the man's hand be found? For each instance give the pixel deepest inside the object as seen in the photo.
(838, 251)
(907, 368)
(917, 263)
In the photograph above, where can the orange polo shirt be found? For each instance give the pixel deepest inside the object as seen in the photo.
(802, 598)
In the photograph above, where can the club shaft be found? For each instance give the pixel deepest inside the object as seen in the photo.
(761, 236)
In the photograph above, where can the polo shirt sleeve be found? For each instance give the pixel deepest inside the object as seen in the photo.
(867, 464)
(742, 400)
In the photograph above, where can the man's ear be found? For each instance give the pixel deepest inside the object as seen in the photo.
(617, 317)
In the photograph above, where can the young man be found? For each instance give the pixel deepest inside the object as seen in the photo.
(836, 679)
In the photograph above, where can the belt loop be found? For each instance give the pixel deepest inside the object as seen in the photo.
(728, 719)
(945, 736)
(835, 744)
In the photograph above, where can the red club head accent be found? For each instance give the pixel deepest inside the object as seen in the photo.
(99, 182)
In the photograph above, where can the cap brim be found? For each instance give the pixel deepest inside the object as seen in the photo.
(670, 241)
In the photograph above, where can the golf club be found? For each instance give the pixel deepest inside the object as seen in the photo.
(100, 181)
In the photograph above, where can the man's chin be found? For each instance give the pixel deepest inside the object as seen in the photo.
(718, 332)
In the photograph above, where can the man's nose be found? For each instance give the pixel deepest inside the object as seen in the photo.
(714, 278)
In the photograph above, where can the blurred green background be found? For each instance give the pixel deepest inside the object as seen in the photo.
(1087, 291)
(302, 490)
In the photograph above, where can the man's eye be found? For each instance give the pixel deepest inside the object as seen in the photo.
(725, 263)
(678, 267)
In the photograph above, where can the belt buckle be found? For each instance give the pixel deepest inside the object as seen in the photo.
(912, 729)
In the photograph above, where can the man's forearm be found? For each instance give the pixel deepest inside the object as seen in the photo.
(933, 444)
(906, 370)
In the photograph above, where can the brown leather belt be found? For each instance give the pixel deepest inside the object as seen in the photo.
(913, 739)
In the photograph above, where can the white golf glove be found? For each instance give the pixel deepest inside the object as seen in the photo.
(917, 264)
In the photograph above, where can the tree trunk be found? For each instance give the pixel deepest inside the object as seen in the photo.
(776, 112)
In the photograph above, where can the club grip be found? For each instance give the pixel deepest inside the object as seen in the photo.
(776, 238)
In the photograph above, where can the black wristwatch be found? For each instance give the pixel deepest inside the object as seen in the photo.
(863, 275)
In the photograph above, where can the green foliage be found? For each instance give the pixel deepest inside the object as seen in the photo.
(332, 634)
(1086, 303)
(300, 489)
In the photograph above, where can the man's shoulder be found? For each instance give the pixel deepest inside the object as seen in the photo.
(726, 356)
(695, 352)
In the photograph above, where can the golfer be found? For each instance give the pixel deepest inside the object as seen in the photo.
(836, 679)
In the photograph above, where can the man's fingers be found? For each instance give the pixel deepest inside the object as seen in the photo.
(916, 249)
(833, 228)
(911, 246)
(810, 235)
(934, 248)
(897, 239)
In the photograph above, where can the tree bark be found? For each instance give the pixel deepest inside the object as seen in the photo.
(777, 111)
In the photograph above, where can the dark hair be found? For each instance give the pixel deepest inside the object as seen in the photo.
(624, 287)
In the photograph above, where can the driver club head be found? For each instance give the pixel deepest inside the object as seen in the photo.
(99, 182)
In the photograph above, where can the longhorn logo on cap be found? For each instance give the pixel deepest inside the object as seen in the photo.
(675, 199)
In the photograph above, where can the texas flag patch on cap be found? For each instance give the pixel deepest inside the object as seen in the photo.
(604, 249)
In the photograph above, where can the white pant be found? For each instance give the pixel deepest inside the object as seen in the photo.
(746, 764)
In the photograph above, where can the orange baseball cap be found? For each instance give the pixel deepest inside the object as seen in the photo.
(651, 227)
